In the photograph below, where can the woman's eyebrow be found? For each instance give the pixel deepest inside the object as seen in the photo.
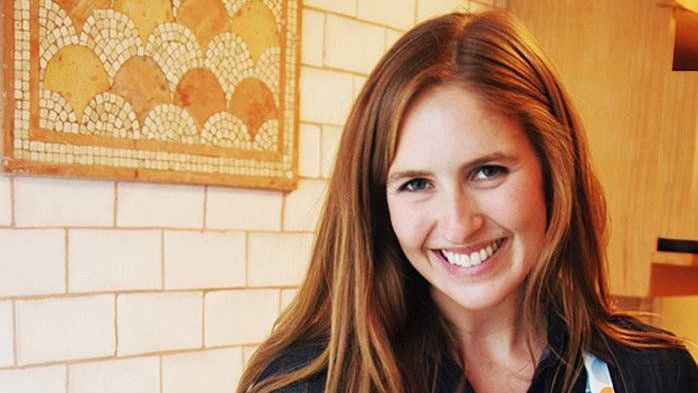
(412, 173)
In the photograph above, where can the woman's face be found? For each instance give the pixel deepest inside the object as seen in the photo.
(465, 196)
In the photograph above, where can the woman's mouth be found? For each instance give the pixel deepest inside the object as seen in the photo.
(470, 259)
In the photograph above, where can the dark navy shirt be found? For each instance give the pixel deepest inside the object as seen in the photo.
(666, 370)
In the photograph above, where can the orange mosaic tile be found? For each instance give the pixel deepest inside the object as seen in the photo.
(187, 91)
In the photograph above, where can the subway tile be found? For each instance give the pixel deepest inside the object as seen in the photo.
(330, 143)
(247, 352)
(159, 205)
(326, 96)
(65, 329)
(154, 322)
(395, 13)
(33, 261)
(287, 296)
(204, 260)
(391, 37)
(6, 334)
(481, 6)
(33, 380)
(353, 45)
(238, 317)
(240, 208)
(5, 201)
(109, 260)
(313, 37)
(358, 84)
(309, 151)
(136, 375)
(277, 259)
(432, 8)
(346, 7)
(304, 204)
(212, 371)
(63, 202)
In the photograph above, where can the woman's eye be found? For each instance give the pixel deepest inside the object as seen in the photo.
(415, 185)
(488, 172)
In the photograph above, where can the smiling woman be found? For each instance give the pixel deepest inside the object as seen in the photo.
(462, 246)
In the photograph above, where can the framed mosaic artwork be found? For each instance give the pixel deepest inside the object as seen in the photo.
(184, 91)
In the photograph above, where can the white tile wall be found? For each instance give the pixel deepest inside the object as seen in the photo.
(313, 37)
(34, 380)
(432, 8)
(326, 95)
(6, 334)
(347, 7)
(110, 260)
(63, 329)
(391, 36)
(353, 45)
(63, 202)
(204, 260)
(309, 157)
(213, 371)
(303, 205)
(137, 375)
(159, 205)
(395, 13)
(32, 262)
(242, 316)
(235, 208)
(137, 287)
(331, 136)
(154, 322)
(277, 259)
(5, 201)
(287, 295)
(358, 84)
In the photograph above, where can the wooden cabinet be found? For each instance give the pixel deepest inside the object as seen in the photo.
(641, 119)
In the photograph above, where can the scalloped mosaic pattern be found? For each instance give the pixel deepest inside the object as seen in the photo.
(159, 71)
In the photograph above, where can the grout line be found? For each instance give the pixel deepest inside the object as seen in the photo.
(324, 40)
(335, 69)
(116, 202)
(203, 221)
(160, 372)
(78, 295)
(116, 325)
(13, 214)
(166, 352)
(66, 255)
(203, 318)
(162, 259)
(15, 333)
(416, 11)
(246, 256)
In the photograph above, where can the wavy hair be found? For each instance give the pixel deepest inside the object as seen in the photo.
(363, 302)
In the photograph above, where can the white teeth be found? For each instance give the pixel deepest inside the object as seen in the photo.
(473, 259)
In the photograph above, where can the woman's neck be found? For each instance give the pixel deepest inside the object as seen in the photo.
(496, 339)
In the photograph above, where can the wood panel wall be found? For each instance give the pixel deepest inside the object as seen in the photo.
(641, 119)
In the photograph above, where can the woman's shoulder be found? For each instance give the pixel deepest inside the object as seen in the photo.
(672, 368)
(293, 358)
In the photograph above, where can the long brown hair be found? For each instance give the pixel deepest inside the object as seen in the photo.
(363, 303)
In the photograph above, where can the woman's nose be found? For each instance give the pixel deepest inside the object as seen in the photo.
(461, 218)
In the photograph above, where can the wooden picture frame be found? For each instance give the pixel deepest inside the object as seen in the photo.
(177, 91)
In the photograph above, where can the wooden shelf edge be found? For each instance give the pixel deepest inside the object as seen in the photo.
(668, 279)
(675, 258)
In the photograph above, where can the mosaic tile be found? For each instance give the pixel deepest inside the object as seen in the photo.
(171, 90)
